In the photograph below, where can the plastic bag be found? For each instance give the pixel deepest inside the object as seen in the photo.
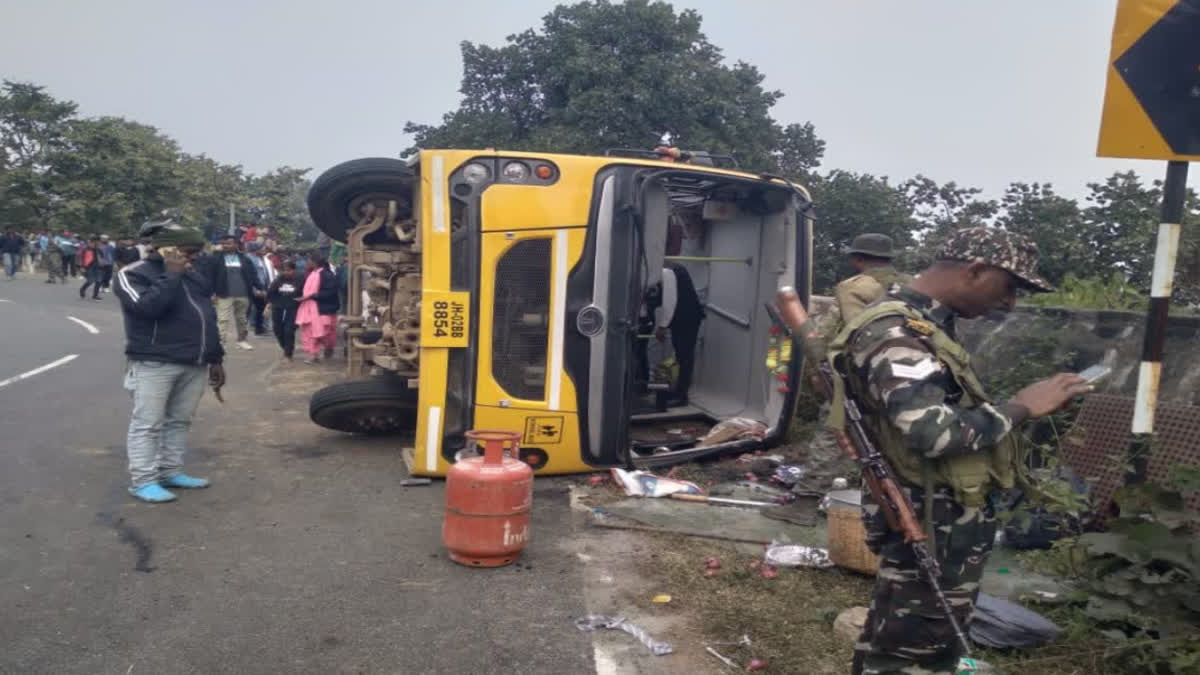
(796, 555)
(1000, 624)
(595, 622)
(646, 484)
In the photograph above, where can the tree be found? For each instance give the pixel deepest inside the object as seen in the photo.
(209, 188)
(32, 127)
(939, 209)
(798, 151)
(112, 174)
(849, 204)
(1120, 226)
(277, 198)
(600, 75)
(1054, 223)
(1187, 278)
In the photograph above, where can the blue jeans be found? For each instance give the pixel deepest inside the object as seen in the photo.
(165, 397)
(10, 264)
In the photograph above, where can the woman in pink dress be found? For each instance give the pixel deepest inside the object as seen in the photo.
(317, 314)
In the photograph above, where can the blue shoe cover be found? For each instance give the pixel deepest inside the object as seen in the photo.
(182, 480)
(153, 493)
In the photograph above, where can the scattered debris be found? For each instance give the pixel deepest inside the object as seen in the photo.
(744, 642)
(415, 482)
(727, 523)
(724, 659)
(756, 665)
(769, 572)
(733, 428)
(597, 480)
(719, 500)
(849, 624)
(801, 509)
(661, 599)
(712, 564)
(1000, 624)
(795, 555)
(595, 622)
(788, 474)
(646, 484)
(969, 666)
(744, 489)
(840, 483)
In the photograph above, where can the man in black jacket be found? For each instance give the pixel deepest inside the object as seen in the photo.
(234, 282)
(11, 245)
(126, 253)
(171, 342)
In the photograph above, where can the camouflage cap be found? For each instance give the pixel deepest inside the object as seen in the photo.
(1000, 248)
(168, 232)
(872, 244)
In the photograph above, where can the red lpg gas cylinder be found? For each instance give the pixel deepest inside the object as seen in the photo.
(487, 503)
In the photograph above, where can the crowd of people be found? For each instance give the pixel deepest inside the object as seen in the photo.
(257, 283)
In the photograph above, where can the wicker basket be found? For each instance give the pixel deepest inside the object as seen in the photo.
(848, 539)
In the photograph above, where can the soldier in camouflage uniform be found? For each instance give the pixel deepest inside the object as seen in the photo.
(871, 256)
(53, 258)
(944, 438)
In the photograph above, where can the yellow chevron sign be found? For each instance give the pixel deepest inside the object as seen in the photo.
(1152, 101)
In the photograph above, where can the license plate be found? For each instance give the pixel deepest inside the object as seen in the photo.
(445, 319)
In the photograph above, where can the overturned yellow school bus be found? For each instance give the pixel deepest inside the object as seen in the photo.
(505, 290)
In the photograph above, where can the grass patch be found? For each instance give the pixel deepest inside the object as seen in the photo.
(790, 619)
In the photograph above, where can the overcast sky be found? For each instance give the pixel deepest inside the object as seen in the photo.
(980, 93)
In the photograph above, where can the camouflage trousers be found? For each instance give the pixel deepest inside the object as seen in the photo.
(54, 265)
(906, 631)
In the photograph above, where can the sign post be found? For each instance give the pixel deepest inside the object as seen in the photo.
(1152, 111)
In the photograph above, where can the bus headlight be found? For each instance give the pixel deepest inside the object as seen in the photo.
(515, 172)
(476, 173)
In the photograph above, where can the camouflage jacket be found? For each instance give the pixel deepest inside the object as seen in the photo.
(896, 374)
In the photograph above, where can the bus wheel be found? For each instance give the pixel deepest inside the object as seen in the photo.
(377, 406)
(336, 199)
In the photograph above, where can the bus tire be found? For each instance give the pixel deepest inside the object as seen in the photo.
(335, 197)
(374, 406)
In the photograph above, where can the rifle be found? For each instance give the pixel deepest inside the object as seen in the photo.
(876, 474)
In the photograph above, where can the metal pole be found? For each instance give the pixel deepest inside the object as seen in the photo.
(1165, 252)
(707, 258)
(232, 224)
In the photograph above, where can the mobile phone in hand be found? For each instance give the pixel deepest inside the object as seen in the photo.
(1095, 373)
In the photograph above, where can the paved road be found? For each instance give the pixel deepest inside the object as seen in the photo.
(304, 557)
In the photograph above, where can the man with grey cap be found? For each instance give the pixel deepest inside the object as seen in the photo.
(871, 256)
(948, 443)
(171, 343)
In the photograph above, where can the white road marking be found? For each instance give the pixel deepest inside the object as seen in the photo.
(40, 369)
(3, 300)
(89, 327)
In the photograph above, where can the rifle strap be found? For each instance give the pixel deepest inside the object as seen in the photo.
(929, 484)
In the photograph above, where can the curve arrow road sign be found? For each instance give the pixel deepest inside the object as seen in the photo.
(1152, 103)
